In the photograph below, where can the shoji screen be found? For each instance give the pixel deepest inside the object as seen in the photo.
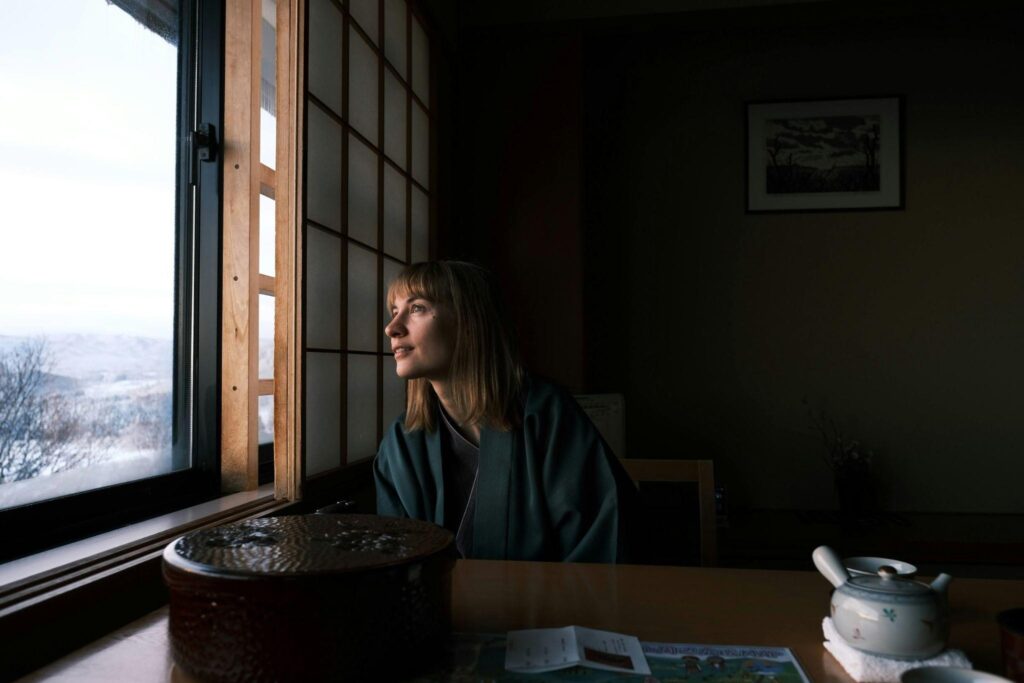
(367, 199)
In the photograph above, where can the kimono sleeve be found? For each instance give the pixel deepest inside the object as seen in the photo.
(389, 458)
(591, 501)
(406, 477)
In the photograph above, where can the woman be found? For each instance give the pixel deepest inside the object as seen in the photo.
(509, 463)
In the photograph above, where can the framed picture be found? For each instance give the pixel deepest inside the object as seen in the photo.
(825, 155)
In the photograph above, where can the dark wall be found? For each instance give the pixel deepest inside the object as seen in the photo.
(904, 325)
(518, 183)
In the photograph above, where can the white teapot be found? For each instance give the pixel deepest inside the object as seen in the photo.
(886, 615)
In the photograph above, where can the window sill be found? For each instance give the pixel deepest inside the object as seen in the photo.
(56, 600)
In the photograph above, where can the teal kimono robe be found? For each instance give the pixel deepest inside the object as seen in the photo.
(549, 490)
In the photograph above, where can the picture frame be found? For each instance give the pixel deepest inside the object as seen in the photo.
(825, 155)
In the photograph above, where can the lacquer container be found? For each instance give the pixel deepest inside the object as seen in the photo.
(310, 597)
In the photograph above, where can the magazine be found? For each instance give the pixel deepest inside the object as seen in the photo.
(480, 658)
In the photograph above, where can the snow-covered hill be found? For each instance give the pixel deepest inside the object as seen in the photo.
(102, 357)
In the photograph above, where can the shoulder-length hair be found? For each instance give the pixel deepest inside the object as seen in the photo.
(486, 376)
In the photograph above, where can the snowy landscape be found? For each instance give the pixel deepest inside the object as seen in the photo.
(112, 393)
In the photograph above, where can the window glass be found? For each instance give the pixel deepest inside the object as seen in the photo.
(268, 84)
(267, 234)
(88, 187)
(266, 419)
(266, 337)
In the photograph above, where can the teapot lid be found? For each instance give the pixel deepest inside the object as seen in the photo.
(888, 582)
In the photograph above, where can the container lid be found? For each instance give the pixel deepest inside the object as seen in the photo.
(295, 545)
(887, 582)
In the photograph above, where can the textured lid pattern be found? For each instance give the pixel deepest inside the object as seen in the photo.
(307, 545)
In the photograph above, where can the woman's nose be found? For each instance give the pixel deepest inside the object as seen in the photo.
(394, 328)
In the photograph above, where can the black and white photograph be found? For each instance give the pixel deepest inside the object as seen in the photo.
(824, 155)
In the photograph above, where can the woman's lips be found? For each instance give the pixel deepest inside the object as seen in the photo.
(402, 352)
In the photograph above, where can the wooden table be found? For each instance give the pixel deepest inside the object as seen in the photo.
(670, 604)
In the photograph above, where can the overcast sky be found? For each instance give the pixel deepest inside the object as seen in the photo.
(87, 156)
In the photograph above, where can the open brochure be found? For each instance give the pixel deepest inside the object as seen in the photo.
(548, 649)
(480, 658)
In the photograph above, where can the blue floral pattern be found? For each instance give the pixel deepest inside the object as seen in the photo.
(890, 613)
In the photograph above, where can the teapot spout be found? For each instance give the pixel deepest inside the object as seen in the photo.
(941, 583)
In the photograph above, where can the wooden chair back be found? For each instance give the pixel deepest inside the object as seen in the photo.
(700, 472)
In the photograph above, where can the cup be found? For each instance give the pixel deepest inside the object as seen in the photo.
(948, 674)
(1011, 635)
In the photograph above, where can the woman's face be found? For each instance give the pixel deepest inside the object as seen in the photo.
(420, 339)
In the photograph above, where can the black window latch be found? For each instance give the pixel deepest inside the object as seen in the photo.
(204, 142)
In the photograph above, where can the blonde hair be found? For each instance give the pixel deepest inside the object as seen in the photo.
(486, 377)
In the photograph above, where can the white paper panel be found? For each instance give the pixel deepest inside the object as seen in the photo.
(323, 181)
(323, 290)
(362, 192)
(366, 13)
(362, 299)
(394, 212)
(420, 218)
(394, 393)
(362, 407)
(323, 411)
(362, 86)
(326, 65)
(395, 34)
(420, 62)
(394, 119)
(267, 234)
(266, 337)
(420, 146)
(391, 271)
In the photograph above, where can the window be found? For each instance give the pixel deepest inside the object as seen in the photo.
(367, 214)
(109, 229)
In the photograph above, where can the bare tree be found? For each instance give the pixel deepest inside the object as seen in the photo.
(41, 431)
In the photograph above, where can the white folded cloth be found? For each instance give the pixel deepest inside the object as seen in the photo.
(866, 668)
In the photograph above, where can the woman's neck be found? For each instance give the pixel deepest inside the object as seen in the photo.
(470, 431)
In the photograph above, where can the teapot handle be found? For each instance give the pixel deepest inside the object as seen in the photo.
(830, 566)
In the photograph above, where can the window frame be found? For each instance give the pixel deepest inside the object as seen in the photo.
(34, 527)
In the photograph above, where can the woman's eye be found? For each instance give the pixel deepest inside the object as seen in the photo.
(418, 308)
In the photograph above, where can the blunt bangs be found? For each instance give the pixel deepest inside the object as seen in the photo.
(420, 280)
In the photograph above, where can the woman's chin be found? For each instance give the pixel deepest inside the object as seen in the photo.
(405, 372)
